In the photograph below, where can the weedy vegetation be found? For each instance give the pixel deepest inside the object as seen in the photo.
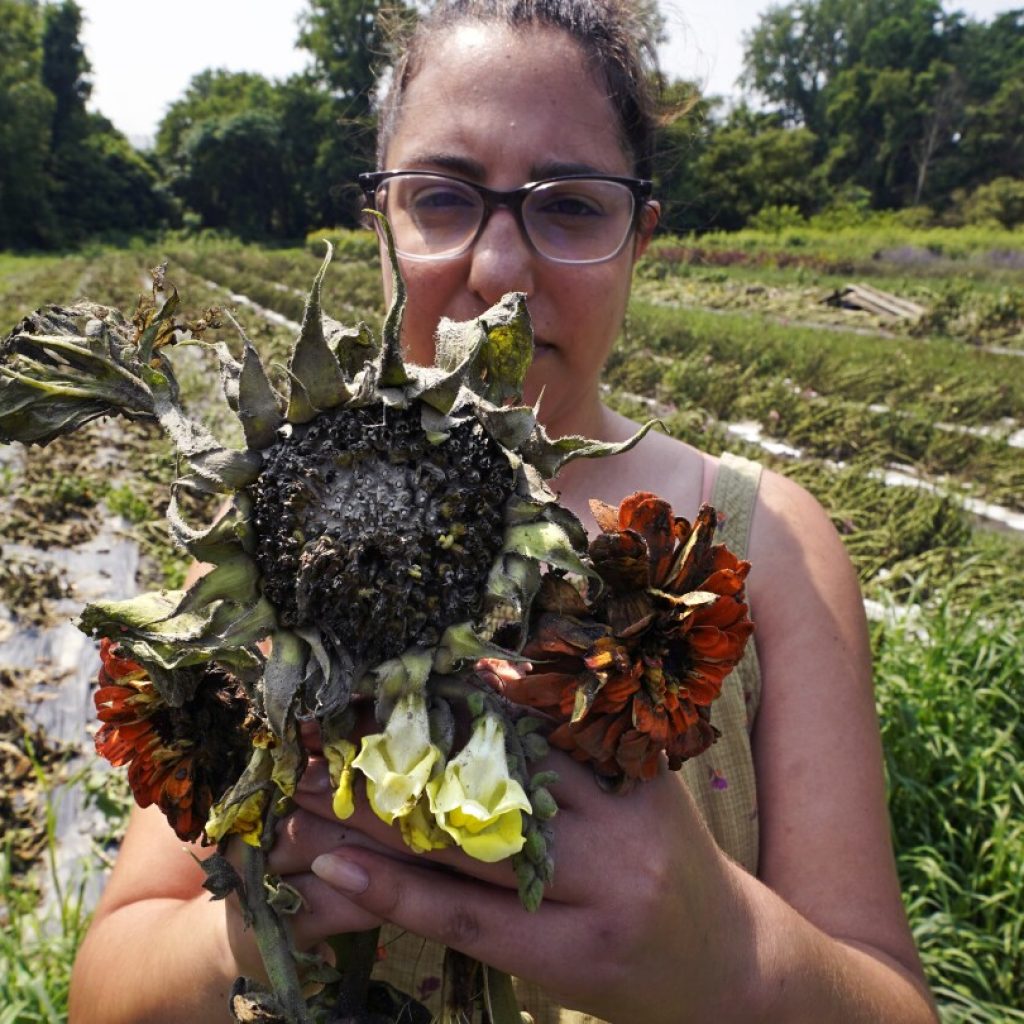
(731, 329)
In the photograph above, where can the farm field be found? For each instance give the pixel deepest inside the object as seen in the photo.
(910, 430)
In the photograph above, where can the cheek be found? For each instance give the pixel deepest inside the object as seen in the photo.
(429, 291)
(599, 307)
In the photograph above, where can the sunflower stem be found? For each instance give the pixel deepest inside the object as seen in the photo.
(500, 998)
(355, 954)
(272, 937)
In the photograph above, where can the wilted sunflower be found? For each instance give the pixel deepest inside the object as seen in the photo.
(632, 670)
(180, 758)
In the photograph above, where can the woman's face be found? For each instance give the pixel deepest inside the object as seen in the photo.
(502, 108)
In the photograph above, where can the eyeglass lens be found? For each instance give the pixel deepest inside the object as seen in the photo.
(577, 220)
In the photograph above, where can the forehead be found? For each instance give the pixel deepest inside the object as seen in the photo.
(516, 103)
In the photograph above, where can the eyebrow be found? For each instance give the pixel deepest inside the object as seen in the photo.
(561, 168)
(463, 166)
(473, 170)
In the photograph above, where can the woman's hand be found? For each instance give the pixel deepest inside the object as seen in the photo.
(630, 902)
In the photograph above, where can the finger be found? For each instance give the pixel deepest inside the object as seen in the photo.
(303, 836)
(312, 829)
(309, 735)
(323, 912)
(315, 778)
(498, 671)
(479, 920)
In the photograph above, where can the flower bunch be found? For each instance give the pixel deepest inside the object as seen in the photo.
(384, 527)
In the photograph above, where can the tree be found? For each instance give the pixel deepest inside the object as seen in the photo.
(65, 69)
(307, 154)
(347, 41)
(991, 133)
(754, 161)
(26, 117)
(211, 94)
(795, 53)
(681, 141)
(888, 87)
(98, 183)
(235, 176)
(940, 98)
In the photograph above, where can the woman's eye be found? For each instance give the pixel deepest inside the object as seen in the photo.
(570, 206)
(441, 199)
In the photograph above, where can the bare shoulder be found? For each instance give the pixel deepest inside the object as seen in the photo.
(793, 535)
(805, 598)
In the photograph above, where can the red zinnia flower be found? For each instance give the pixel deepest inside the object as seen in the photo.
(181, 759)
(632, 670)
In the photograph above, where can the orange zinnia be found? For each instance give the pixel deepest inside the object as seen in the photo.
(180, 758)
(631, 671)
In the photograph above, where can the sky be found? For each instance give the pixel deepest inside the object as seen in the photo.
(144, 52)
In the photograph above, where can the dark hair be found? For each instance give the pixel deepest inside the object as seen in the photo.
(614, 36)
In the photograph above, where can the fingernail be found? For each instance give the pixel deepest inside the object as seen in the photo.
(341, 874)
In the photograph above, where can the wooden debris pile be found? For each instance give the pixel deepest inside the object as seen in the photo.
(875, 301)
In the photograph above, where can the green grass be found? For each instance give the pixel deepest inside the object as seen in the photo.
(834, 394)
(865, 241)
(35, 963)
(37, 951)
(952, 713)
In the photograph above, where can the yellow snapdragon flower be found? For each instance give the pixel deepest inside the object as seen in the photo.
(340, 757)
(420, 831)
(476, 801)
(398, 762)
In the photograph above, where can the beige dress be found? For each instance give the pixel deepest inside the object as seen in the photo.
(721, 780)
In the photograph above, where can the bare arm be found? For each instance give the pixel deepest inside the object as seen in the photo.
(157, 949)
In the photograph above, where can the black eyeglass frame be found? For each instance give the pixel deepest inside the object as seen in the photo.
(641, 190)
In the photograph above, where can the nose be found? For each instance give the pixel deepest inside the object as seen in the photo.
(501, 259)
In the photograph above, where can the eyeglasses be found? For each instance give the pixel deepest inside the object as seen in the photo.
(585, 218)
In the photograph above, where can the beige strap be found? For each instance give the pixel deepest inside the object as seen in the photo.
(734, 498)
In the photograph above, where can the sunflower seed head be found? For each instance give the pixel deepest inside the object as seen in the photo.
(374, 535)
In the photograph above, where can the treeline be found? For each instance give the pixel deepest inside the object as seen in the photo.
(853, 104)
(65, 174)
(237, 152)
(865, 104)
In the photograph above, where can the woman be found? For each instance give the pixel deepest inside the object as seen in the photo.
(662, 908)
